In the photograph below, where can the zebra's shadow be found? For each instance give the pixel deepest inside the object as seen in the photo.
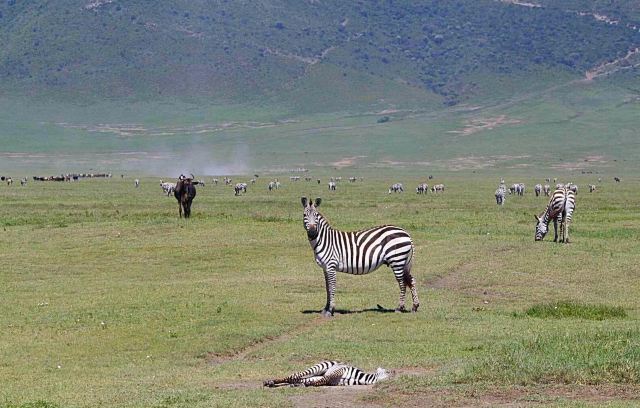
(377, 309)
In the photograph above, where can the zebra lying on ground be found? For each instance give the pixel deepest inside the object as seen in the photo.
(330, 373)
(358, 253)
(560, 209)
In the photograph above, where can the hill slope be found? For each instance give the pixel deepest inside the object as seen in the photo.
(266, 50)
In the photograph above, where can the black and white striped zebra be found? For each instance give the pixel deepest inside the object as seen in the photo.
(501, 194)
(560, 209)
(332, 186)
(240, 187)
(422, 188)
(546, 189)
(396, 188)
(537, 189)
(330, 373)
(592, 188)
(358, 253)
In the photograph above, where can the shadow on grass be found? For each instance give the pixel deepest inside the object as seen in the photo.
(377, 309)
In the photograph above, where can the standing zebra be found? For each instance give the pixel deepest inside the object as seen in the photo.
(332, 186)
(547, 190)
(560, 209)
(396, 188)
(422, 188)
(330, 373)
(538, 189)
(592, 188)
(358, 253)
(501, 194)
(136, 182)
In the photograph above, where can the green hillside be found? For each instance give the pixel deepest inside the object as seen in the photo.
(231, 87)
(247, 50)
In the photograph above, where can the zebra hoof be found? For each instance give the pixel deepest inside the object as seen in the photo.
(400, 309)
(327, 313)
(414, 308)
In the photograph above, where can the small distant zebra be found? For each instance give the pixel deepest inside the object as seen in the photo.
(252, 181)
(548, 180)
(227, 181)
(572, 187)
(136, 182)
(538, 189)
(616, 179)
(396, 188)
(599, 179)
(332, 186)
(240, 187)
(559, 185)
(23, 181)
(560, 209)
(547, 190)
(359, 253)
(501, 194)
(422, 188)
(330, 373)
(592, 188)
(9, 181)
(307, 179)
(168, 188)
(438, 188)
(352, 179)
(318, 181)
(215, 181)
(294, 178)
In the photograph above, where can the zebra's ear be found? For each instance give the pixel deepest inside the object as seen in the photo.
(318, 201)
(304, 201)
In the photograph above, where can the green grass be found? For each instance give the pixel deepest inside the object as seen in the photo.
(110, 299)
(559, 310)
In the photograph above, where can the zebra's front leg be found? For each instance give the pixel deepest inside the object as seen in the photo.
(555, 229)
(330, 284)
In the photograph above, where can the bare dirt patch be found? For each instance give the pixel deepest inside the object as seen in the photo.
(347, 161)
(341, 397)
(479, 162)
(585, 162)
(477, 125)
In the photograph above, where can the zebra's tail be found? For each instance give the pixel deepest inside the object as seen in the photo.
(407, 267)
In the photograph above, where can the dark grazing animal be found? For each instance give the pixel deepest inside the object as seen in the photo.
(358, 253)
(184, 192)
(330, 373)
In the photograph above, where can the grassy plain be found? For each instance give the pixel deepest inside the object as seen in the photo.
(110, 300)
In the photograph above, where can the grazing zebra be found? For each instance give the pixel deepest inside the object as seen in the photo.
(422, 188)
(240, 187)
(538, 189)
(9, 181)
(547, 190)
(501, 194)
(560, 209)
(330, 373)
(136, 182)
(438, 188)
(358, 253)
(23, 181)
(332, 186)
(592, 188)
(396, 188)
(168, 188)
(353, 179)
(215, 181)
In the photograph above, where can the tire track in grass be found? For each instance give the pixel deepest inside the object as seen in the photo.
(243, 352)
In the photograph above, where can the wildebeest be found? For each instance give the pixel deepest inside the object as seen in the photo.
(617, 179)
(184, 192)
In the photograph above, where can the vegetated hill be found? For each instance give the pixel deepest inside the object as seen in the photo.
(329, 52)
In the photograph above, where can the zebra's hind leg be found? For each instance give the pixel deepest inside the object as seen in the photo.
(298, 378)
(411, 282)
(399, 273)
